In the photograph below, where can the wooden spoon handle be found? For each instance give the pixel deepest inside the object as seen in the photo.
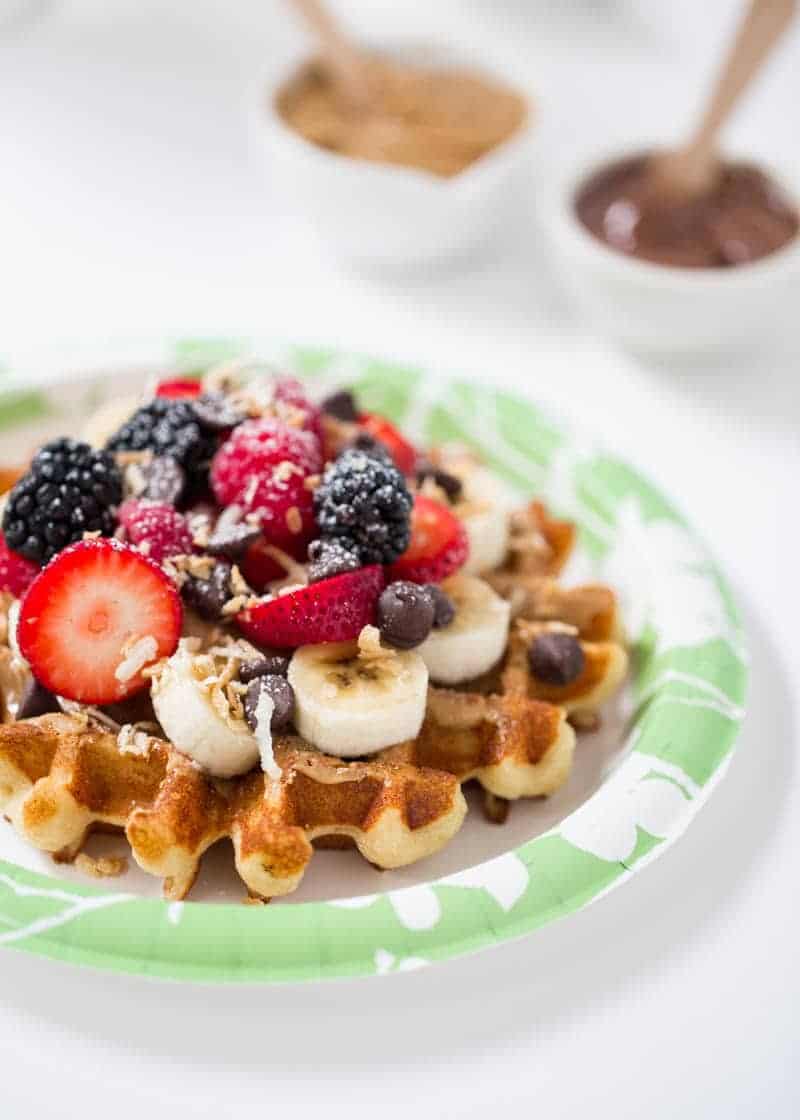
(764, 23)
(345, 60)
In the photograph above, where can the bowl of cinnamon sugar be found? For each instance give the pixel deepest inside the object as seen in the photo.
(423, 171)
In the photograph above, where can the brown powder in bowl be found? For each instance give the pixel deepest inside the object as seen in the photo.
(437, 120)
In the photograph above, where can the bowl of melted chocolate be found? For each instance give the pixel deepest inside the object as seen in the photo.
(743, 217)
(665, 273)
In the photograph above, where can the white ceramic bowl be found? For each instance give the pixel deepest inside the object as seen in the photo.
(665, 310)
(380, 215)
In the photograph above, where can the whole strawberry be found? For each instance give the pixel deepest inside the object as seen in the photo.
(267, 468)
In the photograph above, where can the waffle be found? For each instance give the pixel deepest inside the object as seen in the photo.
(61, 777)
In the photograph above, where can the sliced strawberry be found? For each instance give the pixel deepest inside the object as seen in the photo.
(16, 573)
(179, 388)
(403, 452)
(259, 567)
(333, 610)
(439, 544)
(86, 610)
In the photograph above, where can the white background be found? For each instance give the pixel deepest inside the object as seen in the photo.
(128, 201)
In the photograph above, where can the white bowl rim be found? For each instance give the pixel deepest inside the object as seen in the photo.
(560, 198)
(263, 112)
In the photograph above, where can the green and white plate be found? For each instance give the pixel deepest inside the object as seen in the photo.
(632, 794)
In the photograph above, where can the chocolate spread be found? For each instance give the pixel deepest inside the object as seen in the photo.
(744, 217)
(437, 120)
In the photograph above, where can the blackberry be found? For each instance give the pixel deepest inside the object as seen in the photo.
(364, 505)
(168, 427)
(69, 490)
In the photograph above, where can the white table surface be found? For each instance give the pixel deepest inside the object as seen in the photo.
(128, 202)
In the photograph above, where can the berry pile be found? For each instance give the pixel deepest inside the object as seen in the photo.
(69, 490)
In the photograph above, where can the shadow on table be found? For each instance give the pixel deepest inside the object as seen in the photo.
(469, 1006)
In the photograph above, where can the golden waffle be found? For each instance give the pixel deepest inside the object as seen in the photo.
(61, 777)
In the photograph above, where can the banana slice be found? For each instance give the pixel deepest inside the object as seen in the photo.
(353, 698)
(476, 638)
(184, 703)
(484, 509)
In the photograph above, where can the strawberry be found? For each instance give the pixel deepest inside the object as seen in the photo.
(155, 527)
(293, 406)
(179, 388)
(403, 453)
(264, 467)
(16, 573)
(84, 613)
(258, 567)
(439, 544)
(333, 610)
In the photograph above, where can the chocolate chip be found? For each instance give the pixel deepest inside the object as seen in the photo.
(273, 665)
(444, 610)
(341, 406)
(209, 596)
(405, 614)
(370, 446)
(329, 558)
(217, 413)
(447, 482)
(165, 480)
(556, 659)
(280, 693)
(232, 540)
(36, 701)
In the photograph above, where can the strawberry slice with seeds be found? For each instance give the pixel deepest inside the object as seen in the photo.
(333, 610)
(381, 429)
(94, 617)
(179, 388)
(16, 572)
(439, 544)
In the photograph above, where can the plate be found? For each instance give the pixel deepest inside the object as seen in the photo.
(635, 789)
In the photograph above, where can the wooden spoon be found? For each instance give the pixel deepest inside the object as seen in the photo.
(693, 168)
(345, 61)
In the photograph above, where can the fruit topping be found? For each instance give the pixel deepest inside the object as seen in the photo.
(273, 665)
(352, 698)
(405, 614)
(265, 467)
(476, 637)
(165, 480)
(167, 427)
(341, 406)
(447, 483)
(402, 452)
(281, 701)
(94, 618)
(16, 573)
(260, 565)
(293, 406)
(438, 546)
(556, 658)
(68, 490)
(157, 529)
(364, 504)
(207, 595)
(444, 610)
(179, 388)
(330, 611)
(329, 558)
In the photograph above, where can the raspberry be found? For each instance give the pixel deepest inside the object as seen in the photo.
(294, 408)
(16, 573)
(264, 467)
(155, 528)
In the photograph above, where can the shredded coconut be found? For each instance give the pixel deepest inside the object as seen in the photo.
(140, 654)
(136, 739)
(263, 734)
